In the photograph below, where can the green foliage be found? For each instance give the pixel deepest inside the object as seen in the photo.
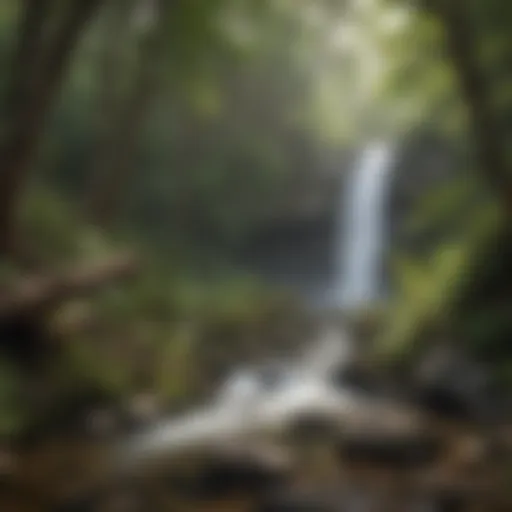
(170, 336)
(12, 414)
(446, 202)
(429, 293)
(53, 232)
(162, 330)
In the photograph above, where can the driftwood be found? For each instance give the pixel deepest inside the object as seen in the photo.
(36, 293)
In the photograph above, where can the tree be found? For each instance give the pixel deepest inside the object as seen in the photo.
(118, 145)
(48, 35)
(462, 47)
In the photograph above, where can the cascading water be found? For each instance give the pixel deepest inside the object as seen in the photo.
(247, 401)
(359, 246)
(361, 228)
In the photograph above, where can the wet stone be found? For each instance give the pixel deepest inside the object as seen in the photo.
(228, 475)
(389, 451)
(343, 500)
(313, 428)
(294, 504)
(450, 384)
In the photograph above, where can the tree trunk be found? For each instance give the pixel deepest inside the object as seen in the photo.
(113, 69)
(461, 42)
(39, 69)
(27, 55)
(118, 149)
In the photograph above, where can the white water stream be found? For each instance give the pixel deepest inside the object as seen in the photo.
(361, 229)
(251, 401)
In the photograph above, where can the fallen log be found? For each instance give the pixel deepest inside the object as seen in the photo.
(37, 293)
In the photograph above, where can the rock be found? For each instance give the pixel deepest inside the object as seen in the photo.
(144, 408)
(355, 377)
(310, 428)
(8, 462)
(295, 504)
(239, 471)
(113, 500)
(103, 423)
(389, 451)
(84, 504)
(72, 416)
(342, 499)
(450, 384)
(443, 500)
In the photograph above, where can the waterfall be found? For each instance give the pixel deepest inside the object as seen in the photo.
(358, 255)
(360, 235)
(256, 399)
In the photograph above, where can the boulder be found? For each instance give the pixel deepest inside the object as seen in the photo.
(452, 385)
(240, 470)
(389, 451)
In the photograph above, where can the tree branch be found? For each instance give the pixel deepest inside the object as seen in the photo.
(38, 292)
